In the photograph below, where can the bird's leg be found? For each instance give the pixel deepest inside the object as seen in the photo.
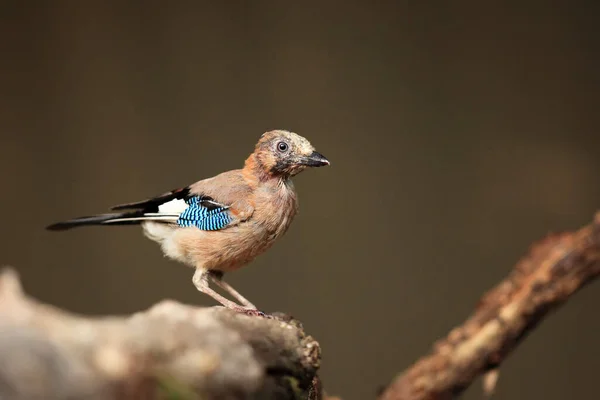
(200, 280)
(217, 277)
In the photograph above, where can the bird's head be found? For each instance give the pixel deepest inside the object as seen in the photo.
(283, 153)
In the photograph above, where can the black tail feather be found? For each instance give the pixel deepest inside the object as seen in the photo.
(130, 218)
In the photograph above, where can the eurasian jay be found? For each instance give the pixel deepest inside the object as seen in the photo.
(222, 223)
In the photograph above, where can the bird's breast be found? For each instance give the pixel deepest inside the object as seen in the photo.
(275, 209)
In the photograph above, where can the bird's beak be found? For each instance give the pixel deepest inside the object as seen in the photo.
(315, 160)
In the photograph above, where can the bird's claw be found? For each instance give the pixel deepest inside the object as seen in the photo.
(257, 313)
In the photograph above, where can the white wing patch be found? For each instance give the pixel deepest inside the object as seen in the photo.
(175, 206)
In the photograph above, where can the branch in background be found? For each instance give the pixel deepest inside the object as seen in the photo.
(554, 269)
(171, 351)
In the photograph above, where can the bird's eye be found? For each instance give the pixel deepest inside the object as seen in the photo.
(282, 147)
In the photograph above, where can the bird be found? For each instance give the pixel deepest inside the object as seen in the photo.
(220, 224)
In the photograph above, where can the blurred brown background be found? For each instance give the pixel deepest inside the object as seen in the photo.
(458, 134)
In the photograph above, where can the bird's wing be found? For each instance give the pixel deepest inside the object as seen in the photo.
(218, 202)
(210, 204)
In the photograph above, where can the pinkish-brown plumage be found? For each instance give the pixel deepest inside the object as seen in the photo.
(258, 203)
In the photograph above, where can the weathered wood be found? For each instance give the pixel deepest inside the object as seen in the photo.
(169, 351)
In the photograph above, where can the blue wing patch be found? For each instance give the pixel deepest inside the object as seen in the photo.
(203, 217)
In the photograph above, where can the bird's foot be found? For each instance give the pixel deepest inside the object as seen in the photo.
(255, 313)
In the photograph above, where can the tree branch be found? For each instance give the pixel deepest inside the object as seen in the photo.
(169, 351)
(554, 269)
